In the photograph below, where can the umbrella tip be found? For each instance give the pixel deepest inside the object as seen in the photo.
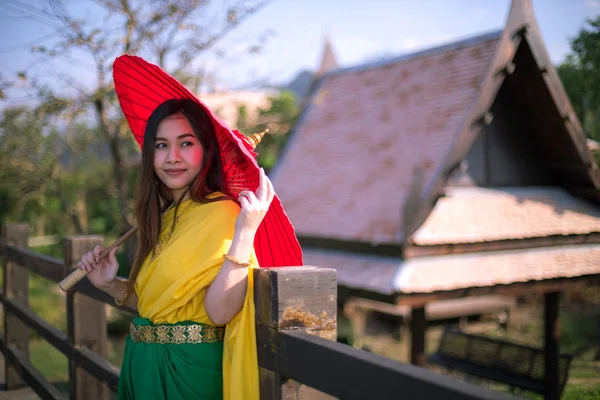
(255, 139)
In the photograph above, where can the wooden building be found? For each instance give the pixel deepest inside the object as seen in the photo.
(455, 171)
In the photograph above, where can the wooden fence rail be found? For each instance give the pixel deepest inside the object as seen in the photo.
(296, 331)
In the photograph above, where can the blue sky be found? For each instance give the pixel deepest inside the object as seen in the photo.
(362, 30)
(359, 30)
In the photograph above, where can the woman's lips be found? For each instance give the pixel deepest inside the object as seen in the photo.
(174, 172)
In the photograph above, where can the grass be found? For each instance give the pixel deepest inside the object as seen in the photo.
(526, 328)
(48, 301)
(49, 361)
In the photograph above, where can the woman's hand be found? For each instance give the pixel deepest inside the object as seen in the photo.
(102, 274)
(254, 206)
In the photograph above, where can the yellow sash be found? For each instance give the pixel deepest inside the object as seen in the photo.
(171, 288)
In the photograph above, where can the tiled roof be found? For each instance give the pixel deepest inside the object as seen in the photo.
(451, 272)
(475, 214)
(356, 271)
(387, 275)
(347, 170)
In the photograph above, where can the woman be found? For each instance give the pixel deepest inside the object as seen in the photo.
(194, 337)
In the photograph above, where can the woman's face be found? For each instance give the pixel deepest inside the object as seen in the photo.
(177, 154)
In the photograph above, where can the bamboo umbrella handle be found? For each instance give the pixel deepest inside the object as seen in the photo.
(79, 274)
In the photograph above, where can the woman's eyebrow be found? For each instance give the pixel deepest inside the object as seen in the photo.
(182, 136)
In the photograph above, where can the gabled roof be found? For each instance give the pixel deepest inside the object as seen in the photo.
(476, 214)
(522, 61)
(347, 168)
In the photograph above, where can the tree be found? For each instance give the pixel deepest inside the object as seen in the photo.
(580, 74)
(279, 118)
(45, 176)
(169, 33)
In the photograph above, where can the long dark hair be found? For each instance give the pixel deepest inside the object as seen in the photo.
(152, 197)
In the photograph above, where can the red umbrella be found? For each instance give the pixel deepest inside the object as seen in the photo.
(142, 86)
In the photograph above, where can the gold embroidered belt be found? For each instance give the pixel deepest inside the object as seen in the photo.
(176, 334)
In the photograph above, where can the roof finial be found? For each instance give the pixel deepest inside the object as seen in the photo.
(328, 59)
(254, 140)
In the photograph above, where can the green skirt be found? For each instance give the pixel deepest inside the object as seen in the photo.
(171, 371)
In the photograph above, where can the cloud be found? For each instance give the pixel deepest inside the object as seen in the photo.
(592, 3)
(356, 50)
(410, 43)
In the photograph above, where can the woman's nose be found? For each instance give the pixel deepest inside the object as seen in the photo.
(174, 154)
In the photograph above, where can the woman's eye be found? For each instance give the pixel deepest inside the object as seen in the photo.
(187, 144)
(160, 145)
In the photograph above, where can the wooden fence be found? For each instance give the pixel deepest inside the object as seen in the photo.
(295, 323)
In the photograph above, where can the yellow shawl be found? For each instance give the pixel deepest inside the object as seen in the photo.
(171, 288)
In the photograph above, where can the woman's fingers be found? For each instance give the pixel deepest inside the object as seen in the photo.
(270, 190)
(89, 257)
(244, 202)
(263, 187)
(249, 195)
(113, 255)
(259, 201)
(96, 252)
(85, 264)
(245, 194)
(252, 198)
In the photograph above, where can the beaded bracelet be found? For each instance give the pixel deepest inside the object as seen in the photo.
(236, 260)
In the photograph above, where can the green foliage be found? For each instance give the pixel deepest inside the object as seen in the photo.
(580, 75)
(580, 332)
(78, 177)
(52, 177)
(26, 162)
(279, 117)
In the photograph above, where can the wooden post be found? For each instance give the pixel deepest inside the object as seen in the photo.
(417, 336)
(15, 287)
(293, 298)
(86, 324)
(551, 350)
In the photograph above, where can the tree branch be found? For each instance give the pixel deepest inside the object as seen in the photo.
(24, 165)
